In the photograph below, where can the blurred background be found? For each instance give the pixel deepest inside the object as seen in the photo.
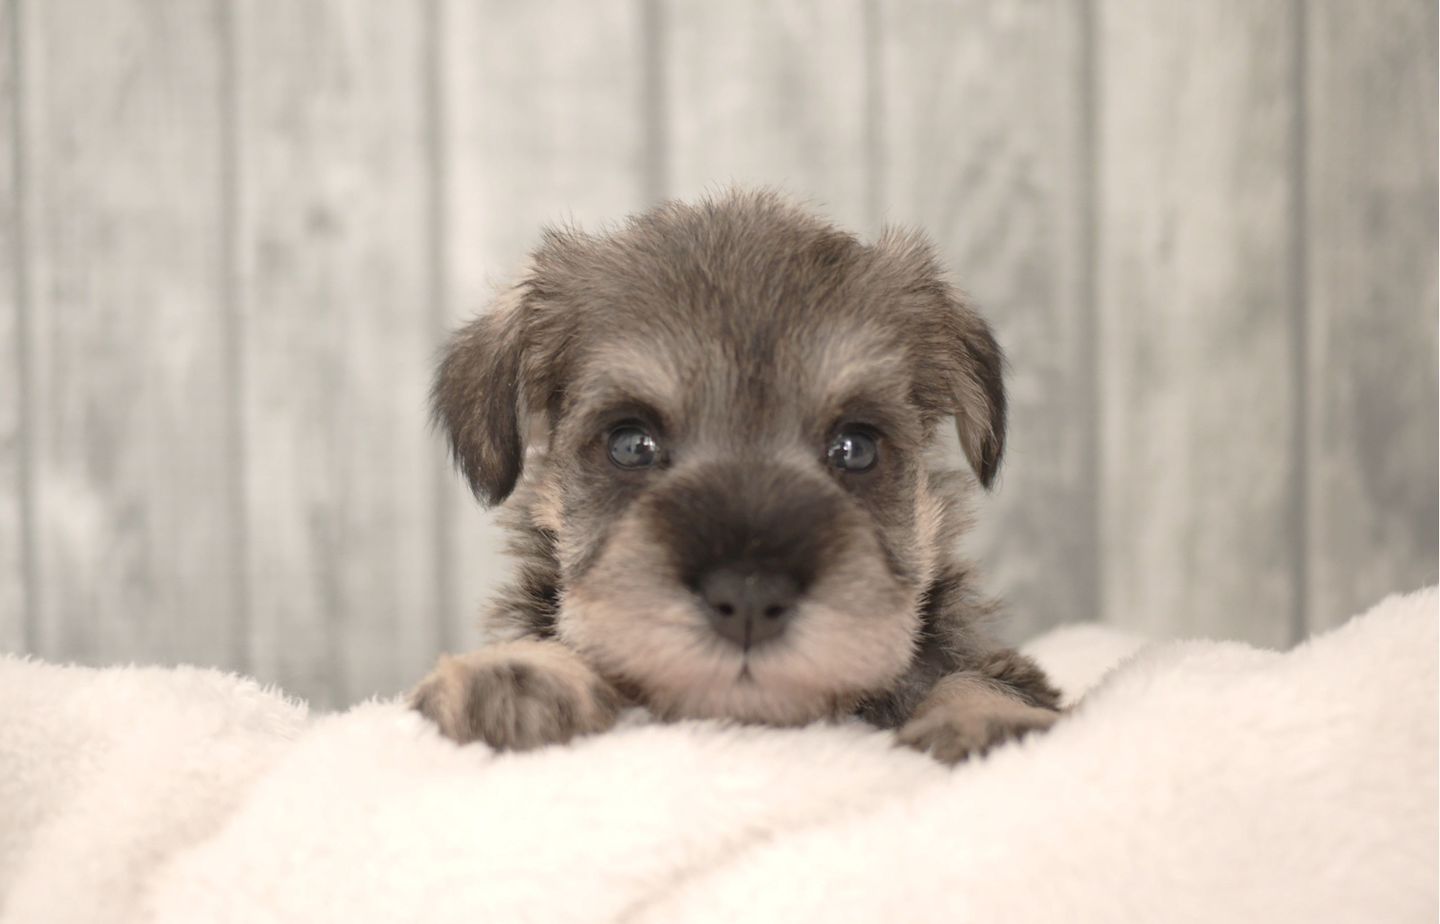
(233, 235)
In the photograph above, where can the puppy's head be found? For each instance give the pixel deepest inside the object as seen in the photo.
(736, 398)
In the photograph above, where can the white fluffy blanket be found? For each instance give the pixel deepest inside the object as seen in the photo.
(1196, 781)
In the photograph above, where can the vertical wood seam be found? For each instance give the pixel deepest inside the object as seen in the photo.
(874, 104)
(1089, 259)
(437, 271)
(1300, 327)
(25, 468)
(656, 150)
(232, 334)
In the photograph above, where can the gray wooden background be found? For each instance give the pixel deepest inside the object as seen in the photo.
(232, 235)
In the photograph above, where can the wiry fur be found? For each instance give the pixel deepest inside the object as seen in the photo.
(744, 332)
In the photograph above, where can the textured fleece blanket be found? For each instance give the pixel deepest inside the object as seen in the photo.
(1195, 781)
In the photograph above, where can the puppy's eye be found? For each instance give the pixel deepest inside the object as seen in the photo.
(632, 446)
(852, 451)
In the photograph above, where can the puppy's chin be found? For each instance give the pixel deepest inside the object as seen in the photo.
(854, 633)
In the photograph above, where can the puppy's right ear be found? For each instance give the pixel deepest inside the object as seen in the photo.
(477, 397)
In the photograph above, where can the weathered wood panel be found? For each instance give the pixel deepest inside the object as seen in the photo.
(1198, 302)
(13, 589)
(336, 340)
(1371, 283)
(132, 519)
(543, 115)
(1004, 197)
(1205, 234)
(758, 92)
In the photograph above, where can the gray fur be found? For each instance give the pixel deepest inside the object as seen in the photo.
(744, 332)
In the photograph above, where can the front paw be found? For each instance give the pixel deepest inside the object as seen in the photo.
(516, 696)
(967, 719)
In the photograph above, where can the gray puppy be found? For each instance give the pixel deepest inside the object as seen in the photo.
(721, 413)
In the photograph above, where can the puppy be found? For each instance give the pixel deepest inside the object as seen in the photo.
(711, 427)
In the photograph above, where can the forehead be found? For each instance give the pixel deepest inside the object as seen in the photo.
(741, 310)
(770, 370)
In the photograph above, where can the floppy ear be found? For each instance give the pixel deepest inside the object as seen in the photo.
(959, 368)
(979, 392)
(476, 397)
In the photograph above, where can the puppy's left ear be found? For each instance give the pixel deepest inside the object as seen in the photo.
(979, 390)
(963, 374)
(958, 369)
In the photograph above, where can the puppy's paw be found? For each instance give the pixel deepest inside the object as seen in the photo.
(516, 696)
(963, 717)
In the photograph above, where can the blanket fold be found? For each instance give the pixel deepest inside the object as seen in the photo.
(1194, 781)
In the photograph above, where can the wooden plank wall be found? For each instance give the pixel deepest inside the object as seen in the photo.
(233, 234)
(130, 456)
(14, 603)
(331, 312)
(1369, 276)
(1197, 307)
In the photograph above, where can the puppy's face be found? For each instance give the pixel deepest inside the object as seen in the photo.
(736, 400)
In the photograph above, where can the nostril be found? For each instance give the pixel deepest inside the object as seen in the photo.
(748, 606)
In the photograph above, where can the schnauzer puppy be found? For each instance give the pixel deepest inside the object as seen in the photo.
(711, 426)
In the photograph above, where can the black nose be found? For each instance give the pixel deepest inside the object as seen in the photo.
(748, 607)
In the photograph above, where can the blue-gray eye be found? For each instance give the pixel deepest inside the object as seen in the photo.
(852, 451)
(632, 446)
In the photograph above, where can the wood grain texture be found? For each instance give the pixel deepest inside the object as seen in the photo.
(1371, 282)
(335, 337)
(981, 140)
(543, 114)
(1197, 317)
(765, 92)
(234, 234)
(13, 589)
(133, 527)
